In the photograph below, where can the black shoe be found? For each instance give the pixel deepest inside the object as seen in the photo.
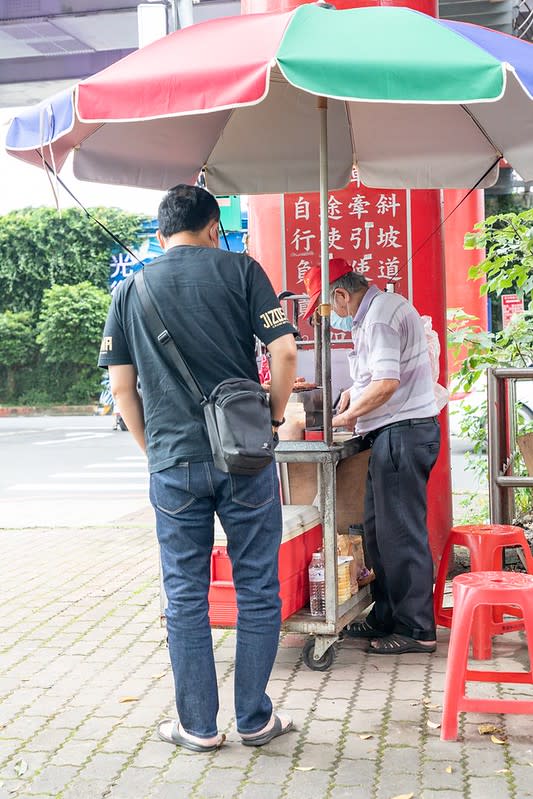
(362, 629)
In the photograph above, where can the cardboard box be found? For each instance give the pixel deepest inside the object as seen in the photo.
(302, 535)
(300, 487)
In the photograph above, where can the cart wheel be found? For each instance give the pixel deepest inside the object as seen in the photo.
(323, 663)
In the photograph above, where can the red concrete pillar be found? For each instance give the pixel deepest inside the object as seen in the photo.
(429, 297)
(265, 219)
(461, 292)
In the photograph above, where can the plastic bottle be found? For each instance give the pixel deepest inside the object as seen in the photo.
(317, 588)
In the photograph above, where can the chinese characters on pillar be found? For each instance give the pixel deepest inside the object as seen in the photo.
(367, 227)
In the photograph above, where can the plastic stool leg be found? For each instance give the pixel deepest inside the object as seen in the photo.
(440, 584)
(455, 683)
(528, 625)
(482, 633)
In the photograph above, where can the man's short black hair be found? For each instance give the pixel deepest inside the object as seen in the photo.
(186, 208)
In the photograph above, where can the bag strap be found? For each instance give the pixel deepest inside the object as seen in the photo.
(163, 337)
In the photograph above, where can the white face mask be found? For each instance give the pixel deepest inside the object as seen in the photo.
(341, 322)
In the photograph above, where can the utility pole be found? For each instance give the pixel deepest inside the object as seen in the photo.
(184, 12)
(156, 19)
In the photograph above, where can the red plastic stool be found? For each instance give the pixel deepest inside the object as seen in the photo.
(486, 543)
(470, 591)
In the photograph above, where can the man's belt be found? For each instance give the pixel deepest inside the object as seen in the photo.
(373, 434)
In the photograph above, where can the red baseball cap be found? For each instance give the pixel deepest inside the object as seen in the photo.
(337, 268)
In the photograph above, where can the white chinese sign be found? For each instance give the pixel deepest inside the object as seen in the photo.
(367, 227)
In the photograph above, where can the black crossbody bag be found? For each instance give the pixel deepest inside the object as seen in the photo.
(237, 412)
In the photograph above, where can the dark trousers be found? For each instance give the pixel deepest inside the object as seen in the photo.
(395, 525)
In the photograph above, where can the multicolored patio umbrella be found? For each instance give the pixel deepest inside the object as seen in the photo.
(289, 102)
(414, 101)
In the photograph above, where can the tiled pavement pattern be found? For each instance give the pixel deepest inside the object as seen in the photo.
(84, 676)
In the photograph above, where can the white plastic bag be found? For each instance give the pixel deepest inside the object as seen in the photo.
(442, 394)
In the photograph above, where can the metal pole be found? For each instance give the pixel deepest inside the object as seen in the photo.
(493, 446)
(324, 308)
(510, 406)
(173, 16)
(511, 387)
(505, 465)
(317, 328)
(185, 15)
(328, 476)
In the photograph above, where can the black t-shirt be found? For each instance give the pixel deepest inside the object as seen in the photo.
(212, 303)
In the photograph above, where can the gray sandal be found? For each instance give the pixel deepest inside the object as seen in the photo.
(175, 737)
(265, 737)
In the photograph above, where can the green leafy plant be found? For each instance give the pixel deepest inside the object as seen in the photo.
(508, 243)
(508, 264)
(18, 347)
(40, 248)
(70, 327)
(478, 350)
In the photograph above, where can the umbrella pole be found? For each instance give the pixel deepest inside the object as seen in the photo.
(325, 308)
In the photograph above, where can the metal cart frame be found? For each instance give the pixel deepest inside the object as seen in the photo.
(319, 652)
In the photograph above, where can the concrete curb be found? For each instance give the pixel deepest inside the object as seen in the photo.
(47, 410)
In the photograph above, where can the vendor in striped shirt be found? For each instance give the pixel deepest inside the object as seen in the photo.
(392, 405)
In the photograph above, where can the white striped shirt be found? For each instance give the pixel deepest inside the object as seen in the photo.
(390, 343)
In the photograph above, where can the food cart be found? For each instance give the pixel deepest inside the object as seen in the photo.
(331, 475)
(319, 652)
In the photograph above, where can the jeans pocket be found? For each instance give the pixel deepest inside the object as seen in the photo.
(253, 491)
(170, 489)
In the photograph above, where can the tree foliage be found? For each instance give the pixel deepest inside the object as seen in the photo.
(18, 347)
(17, 339)
(508, 203)
(480, 350)
(71, 322)
(40, 247)
(508, 242)
(508, 264)
(69, 331)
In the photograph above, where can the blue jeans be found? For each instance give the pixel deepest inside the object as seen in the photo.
(185, 498)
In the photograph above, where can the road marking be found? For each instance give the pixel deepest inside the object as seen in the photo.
(78, 430)
(69, 440)
(101, 475)
(114, 464)
(80, 487)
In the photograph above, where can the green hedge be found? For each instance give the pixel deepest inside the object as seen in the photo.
(54, 270)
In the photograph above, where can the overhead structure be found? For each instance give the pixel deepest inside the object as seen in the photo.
(420, 103)
(46, 45)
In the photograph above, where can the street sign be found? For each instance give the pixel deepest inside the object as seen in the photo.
(511, 305)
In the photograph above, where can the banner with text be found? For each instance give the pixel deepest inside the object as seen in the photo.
(370, 228)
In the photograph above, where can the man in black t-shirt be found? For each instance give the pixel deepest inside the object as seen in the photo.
(213, 304)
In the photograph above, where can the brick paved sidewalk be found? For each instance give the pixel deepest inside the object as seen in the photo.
(84, 676)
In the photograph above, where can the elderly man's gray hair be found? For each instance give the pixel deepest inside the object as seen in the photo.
(351, 282)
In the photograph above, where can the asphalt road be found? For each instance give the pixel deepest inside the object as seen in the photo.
(78, 471)
(68, 471)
